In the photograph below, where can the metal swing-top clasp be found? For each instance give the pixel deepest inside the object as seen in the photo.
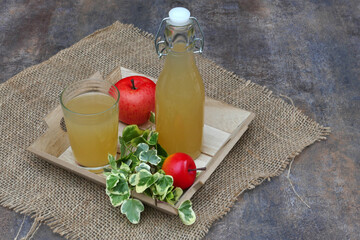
(160, 40)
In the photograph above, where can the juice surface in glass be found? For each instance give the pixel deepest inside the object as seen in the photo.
(180, 103)
(92, 126)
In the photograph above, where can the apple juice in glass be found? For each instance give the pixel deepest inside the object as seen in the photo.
(91, 115)
(180, 97)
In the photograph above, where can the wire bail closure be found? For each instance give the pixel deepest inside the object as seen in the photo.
(159, 40)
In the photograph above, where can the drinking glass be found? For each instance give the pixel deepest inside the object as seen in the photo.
(91, 114)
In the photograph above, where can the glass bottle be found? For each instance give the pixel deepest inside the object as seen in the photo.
(180, 97)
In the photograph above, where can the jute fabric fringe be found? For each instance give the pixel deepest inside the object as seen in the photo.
(77, 208)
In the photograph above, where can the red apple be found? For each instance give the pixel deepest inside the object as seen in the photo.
(137, 99)
(178, 165)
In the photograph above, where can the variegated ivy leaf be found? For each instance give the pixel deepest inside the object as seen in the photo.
(161, 171)
(145, 180)
(152, 188)
(157, 175)
(107, 170)
(119, 173)
(117, 200)
(142, 166)
(186, 213)
(153, 138)
(120, 188)
(111, 181)
(148, 192)
(106, 174)
(177, 193)
(122, 147)
(163, 184)
(134, 162)
(125, 167)
(112, 161)
(136, 141)
(132, 209)
(146, 134)
(149, 156)
(141, 139)
(141, 147)
(130, 132)
(133, 179)
(128, 162)
(173, 196)
(170, 198)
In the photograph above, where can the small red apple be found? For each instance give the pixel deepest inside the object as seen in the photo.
(178, 165)
(137, 99)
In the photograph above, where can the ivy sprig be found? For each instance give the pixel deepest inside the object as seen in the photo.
(139, 169)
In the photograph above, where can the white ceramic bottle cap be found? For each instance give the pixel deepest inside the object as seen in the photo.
(179, 16)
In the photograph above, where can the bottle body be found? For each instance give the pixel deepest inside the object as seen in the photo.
(180, 103)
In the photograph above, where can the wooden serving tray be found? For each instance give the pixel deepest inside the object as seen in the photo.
(224, 125)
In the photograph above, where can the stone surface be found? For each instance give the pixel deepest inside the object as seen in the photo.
(308, 50)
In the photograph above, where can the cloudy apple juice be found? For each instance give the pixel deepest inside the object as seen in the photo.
(92, 126)
(180, 103)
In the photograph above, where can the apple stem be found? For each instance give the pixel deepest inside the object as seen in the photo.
(197, 169)
(133, 84)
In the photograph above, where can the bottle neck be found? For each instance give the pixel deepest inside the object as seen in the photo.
(179, 39)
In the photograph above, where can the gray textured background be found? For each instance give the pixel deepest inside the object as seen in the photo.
(308, 50)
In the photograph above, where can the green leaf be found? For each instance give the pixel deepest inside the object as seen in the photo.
(141, 147)
(111, 181)
(149, 156)
(106, 173)
(125, 167)
(130, 132)
(121, 188)
(132, 209)
(170, 198)
(142, 166)
(152, 188)
(136, 141)
(146, 134)
(177, 193)
(160, 151)
(135, 162)
(117, 200)
(119, 173)
(153, 138)
(133, 179)
(162, 154)
(161, 171)
(112, 161)
(152, 117)
(186, 213)
(128, 162)
(149, 193)
(122, 147)
(163, 184)
(144, 180)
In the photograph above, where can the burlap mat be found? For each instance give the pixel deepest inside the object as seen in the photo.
(76, 208)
